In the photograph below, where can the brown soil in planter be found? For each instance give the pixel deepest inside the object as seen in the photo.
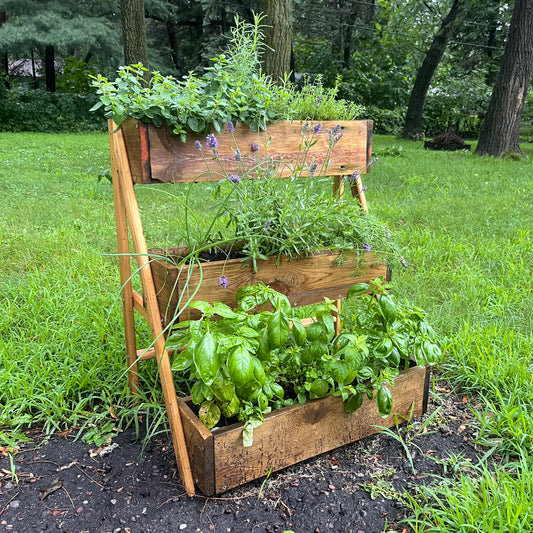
(355, 488)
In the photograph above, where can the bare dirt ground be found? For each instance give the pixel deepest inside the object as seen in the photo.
(56, 483)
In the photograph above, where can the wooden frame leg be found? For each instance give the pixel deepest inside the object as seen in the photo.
(128, 204)
(125, 275)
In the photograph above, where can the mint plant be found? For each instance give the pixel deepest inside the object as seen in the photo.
(233, 88)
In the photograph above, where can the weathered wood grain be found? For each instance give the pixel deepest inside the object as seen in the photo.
(304, 281)
(160, 156)
(299, 432)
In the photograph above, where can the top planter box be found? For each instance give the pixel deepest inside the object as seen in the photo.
(155, 155)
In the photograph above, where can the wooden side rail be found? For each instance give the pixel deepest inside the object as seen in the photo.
(155, 155)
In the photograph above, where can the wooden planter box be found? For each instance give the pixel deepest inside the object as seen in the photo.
(304, 281)
(155, 155)
(219, 461)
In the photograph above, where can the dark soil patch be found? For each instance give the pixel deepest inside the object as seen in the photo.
(358, 488)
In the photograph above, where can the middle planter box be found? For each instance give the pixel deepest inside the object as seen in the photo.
(304, 280)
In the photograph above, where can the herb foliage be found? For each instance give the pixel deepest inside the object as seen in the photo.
(233, 88)
(246, 361)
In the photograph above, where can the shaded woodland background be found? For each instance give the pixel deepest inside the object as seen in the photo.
(420, 67)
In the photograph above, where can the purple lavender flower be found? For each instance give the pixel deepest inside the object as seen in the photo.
(335, 135)
(237, 155)
(255, 147)
(354, 177)
(319, 99)
(312, 169)
(230, 126)
(223, 282)
(317, 127)
(211, 141)
(364, 188)
(198, 145)
(267, 225)
(367, 246)
(234, 178)
(306, 127)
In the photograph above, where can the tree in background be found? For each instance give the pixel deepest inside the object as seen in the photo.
(49, 27)
(4, 62)
(413, 119)
(134, 32)
(501, 126)
(278, 38)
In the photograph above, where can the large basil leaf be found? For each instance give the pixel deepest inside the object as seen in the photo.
(387, 308)
(206, 359)
(278, 330)
(384, 401)
(209, 414)
(299, 333)
(353, 403)
(240, 366)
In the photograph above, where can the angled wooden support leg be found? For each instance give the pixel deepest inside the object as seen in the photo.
(129, 202)
(125, 272)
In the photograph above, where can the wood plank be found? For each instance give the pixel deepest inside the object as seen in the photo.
(130, 131)
(201, 450)
(305, 281)
(299, 432)
(123, 247)
(171, 160)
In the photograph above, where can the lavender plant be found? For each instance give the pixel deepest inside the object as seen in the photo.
(264, 216)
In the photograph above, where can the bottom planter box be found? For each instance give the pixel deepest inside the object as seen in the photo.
(219, 461)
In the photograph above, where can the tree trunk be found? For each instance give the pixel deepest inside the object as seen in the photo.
(134, 32)
(4, 63)
(174, 42)
(501, 127)
(50, 68)
(348, 32)
(278, 38)
(413, 119)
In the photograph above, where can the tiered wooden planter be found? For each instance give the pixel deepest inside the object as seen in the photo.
(216, 460)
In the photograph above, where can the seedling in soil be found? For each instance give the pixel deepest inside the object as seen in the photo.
(407, 439)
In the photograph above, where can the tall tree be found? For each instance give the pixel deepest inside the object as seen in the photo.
(54, 30)
(4, 64)
(413, 119)
(501, 126)
(278, 37)
(134, 32)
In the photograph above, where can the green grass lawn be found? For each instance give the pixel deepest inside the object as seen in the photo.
(466, 225)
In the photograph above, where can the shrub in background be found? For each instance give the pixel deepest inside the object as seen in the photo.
(36, 110)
